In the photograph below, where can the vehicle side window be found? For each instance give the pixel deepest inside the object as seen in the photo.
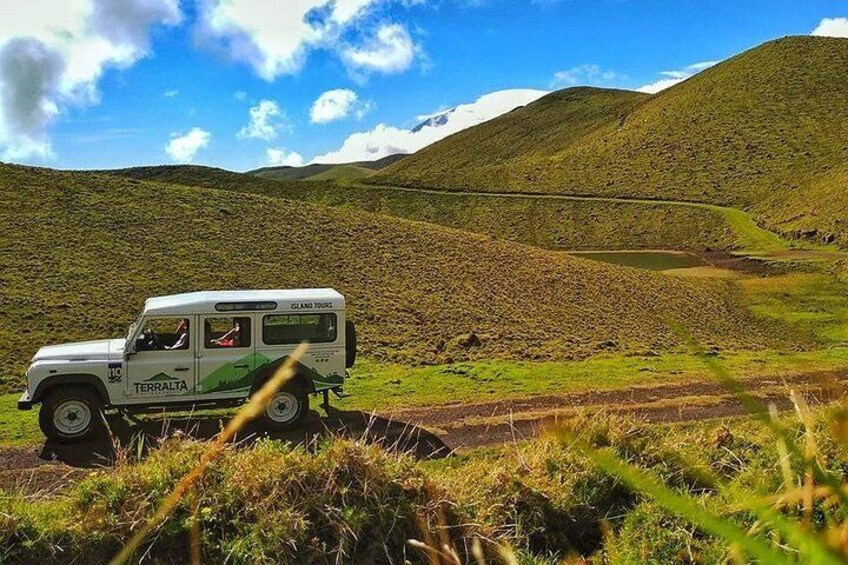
(164, 334)
(224, 332)
(291, 329)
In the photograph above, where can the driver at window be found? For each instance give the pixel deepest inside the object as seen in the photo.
(182, 332)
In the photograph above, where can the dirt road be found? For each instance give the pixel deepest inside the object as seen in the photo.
(429, 432)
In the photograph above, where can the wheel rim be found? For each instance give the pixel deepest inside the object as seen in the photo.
(283, 407)
(72, 417)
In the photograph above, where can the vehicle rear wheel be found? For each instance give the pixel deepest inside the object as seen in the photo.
(71, 414)
(287, 409)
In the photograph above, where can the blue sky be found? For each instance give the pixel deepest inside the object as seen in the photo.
(111, 83)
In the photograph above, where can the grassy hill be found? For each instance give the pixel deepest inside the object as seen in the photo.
(342, 174)
(538, 222)
(764, 130)
(320, 171)
(84, 250)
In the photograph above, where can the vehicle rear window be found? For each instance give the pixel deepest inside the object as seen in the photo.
(290, 329)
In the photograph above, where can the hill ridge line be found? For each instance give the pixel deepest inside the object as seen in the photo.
(754, 239)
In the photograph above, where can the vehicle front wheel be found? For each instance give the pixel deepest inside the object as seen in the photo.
(287, 409)
(71, 414)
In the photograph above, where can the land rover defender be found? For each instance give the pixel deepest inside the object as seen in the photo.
(196, 350)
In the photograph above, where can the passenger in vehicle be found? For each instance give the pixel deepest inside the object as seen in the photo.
(182, 332)
(229, 339)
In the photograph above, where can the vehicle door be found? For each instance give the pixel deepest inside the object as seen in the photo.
(163, 364)
(226, 356)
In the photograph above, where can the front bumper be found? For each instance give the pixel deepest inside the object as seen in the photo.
(24, 402)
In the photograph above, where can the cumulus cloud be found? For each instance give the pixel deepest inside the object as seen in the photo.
(53, 53)
(583, 75)
(390, 50)
(337, 104)
(385, 140)
(266, 118)
(279, 157)
(183, 147)
(276, 41)
(832, 27)
(674, 77)
(30, 83)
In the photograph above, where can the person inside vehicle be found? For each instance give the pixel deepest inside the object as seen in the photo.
(182, 333)
(229, 339)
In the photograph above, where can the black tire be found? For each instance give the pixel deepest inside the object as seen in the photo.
(288, 409)
(350, 344)
(71, 414)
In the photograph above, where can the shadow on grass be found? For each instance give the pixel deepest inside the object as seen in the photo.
(139, 436)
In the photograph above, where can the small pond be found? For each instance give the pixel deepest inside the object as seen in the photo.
(650, 260)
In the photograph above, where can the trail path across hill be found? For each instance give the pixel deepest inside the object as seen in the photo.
(753, 240)
(429, 432)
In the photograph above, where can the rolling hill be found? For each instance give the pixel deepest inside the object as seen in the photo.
(328, 171)
(533, 221)
(765, 130)
(84, 250)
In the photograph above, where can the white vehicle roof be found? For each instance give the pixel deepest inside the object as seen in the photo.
(205, 302)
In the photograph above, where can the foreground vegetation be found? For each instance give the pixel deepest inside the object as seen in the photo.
(763, 131)
(610, 489)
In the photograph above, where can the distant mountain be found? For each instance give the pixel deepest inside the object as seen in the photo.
(485, 108)
(328, 171)
(766, 130)
(436, 121)
(383, 139)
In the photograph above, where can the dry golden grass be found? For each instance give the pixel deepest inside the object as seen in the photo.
(84, 251)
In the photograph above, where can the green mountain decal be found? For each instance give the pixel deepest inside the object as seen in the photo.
(227, 377)
(160, 377)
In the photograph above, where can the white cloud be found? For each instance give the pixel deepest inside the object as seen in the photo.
(276, 40)
(386, 140)
(675, 77)
(183, 147)
(279, 157)
(266, 118)
(337, 104)
(832, 27)
(53, 53)
(583, 75)
(240, 95)
(171, 93)
(390, 50)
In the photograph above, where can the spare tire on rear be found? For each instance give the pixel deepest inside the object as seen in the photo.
(350, 344)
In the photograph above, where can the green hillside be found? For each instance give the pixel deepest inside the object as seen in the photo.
(550, 224)
(83, 251)
(538, 221)
(763, 130)
(364, 168)
(292, 173)
(343, 174)
(527, 133)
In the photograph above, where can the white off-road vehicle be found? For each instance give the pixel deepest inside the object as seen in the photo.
(196, 350)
